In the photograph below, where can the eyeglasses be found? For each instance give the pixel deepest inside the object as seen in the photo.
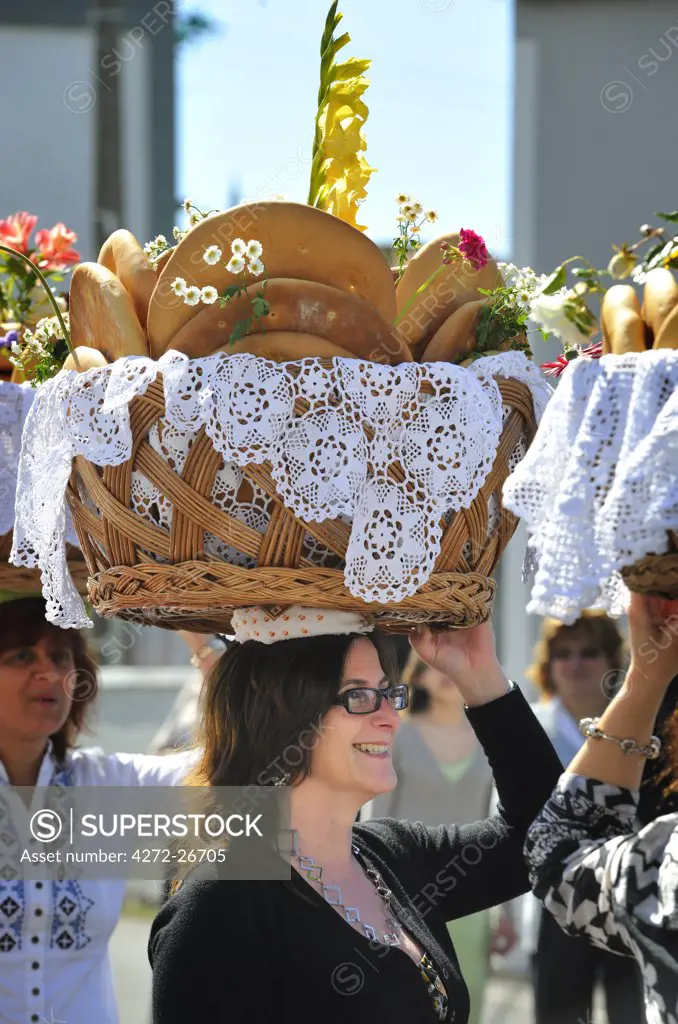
(364, 700)
(587, 653)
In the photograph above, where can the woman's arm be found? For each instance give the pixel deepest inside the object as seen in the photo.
(586, 866)
(458, 870)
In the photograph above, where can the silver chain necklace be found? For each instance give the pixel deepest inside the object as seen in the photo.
(332, 895)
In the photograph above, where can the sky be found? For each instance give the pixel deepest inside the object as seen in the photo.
(440, 104)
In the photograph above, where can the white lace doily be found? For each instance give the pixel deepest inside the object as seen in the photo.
(322, 462)
(598, 489)
(15, 401)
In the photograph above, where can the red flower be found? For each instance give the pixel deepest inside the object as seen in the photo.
(53, 248)
(16, 230)
(593, 351)
(473, 248)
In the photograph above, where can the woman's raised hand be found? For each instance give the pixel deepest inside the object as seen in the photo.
(467, 656)
(653, 632)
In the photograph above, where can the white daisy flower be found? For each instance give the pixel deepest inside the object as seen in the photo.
(401, 198)
(407, 208)
(238, 247)
(209, 295)
(401, 218)
(236, 265)
(431, 216)
(418, 208)
(212, 255)
(192, 296)
(411, 214)
(188, 203)
(256, 268)
(178, 286)
(254, 249)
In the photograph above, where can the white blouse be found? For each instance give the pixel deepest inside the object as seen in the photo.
(54, 961)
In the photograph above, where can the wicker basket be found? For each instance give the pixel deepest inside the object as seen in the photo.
(655, 575)
(27, 581)
(142, 572)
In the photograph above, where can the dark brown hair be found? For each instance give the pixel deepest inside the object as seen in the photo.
(597, 627)
(413, 673)
(23, 624)
(263, 707)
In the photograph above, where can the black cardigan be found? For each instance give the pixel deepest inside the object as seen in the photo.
(264, 952)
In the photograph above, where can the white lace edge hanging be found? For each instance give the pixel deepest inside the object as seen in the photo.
(598, 488)
(323, 465)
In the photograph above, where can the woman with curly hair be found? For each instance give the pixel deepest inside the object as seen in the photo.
(54, 935)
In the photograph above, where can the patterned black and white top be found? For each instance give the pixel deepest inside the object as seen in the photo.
(619, 887)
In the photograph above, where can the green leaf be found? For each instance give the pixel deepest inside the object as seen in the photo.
(672, 218)
(331, 21)
(555, 282)
(260, 307)
(241, 330)
(230, 292)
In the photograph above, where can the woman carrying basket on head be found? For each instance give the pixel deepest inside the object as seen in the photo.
(360, 932)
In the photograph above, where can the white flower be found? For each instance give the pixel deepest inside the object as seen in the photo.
(407, 208)
(178, 233)
(188, 203)
(212, 255)
(238, 247)
(256, 268)
(548, 311)
(178, 286)
(192, 296)
(209, 295)
(638, 275)
(411, 215)
(254, 249)
(194, 218)
(418, 208)
(431, 216)
(402, 198)
(401, 218)
(16, 348)
(236, 265)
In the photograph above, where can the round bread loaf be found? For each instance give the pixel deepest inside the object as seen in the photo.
(286, 346)
(298, 241)
(300, 307)
(621, 321)
(456, 284)
(88, 359)
(123, 256)
(456, 338)
(102, 314)
(660, 296)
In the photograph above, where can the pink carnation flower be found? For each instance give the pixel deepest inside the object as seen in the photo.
(473, 248)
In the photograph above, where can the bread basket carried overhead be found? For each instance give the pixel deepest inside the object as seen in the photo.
(267, 413)
(599, 487)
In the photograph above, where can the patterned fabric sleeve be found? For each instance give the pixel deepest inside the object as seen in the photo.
(575, 850)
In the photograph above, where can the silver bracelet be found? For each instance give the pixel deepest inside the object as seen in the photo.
(589, 727)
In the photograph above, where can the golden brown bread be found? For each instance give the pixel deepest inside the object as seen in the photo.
(286, 346)
(102, 314)
(124, 257)
(299, 241)
(456, 337)
(668, 332)
(87, 359)
(456, 284)
(660, 295)
(303, 307)
(621, 321)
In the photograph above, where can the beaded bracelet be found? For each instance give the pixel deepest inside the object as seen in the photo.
(589, 727)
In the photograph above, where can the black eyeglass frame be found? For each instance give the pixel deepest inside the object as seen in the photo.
(388, 693)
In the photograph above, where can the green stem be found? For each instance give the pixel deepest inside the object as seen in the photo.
(408, 306)
(48, 290)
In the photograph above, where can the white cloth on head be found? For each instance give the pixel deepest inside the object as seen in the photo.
(294, 623)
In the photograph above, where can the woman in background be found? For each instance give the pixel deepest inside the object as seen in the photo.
(443, 775)
(576, 670)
